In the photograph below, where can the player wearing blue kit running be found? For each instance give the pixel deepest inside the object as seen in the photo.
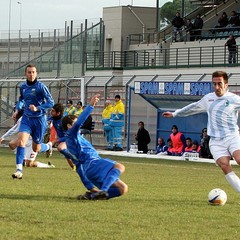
(36, 99)
(93, 170)
(56, 120)
(222, 108)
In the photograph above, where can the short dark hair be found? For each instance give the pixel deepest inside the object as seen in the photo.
(59, 108)
(175, 126)
(79, 102)
(118, 96)
(220, 74)
(69, 102)
(69, 119)
(30, 66)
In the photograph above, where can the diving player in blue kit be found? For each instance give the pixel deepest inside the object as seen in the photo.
(93, 170)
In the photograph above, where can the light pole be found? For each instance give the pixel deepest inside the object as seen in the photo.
(9, 33)
(20, 19)
(157, 16)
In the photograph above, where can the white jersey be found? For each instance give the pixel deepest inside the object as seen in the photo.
(222, 113)
(13, 130)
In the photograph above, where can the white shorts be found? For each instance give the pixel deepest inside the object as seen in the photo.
(224, 147)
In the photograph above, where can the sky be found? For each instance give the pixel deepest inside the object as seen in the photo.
(52, 14)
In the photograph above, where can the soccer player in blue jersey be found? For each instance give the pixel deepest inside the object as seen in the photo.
(100, 176)
(36, 99)
(56, 120)
(222, 108)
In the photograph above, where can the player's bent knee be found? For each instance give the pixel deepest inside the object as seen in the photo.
(124, 189)
(120, 167)
(59, 148)
(122, 186)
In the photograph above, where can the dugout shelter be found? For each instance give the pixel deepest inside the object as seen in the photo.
(149, 99)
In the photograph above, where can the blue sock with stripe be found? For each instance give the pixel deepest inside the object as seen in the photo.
(44, 147)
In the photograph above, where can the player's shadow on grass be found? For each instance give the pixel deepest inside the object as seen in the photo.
(37, 197)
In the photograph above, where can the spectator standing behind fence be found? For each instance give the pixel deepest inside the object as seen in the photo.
(178, 140)
(106, 114)
(232, 49)
(117, 123)
(189, 29)
(198, 25)
(143, 138)
(177, 23)
(161, 148)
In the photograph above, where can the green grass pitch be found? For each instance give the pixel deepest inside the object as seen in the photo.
(166, 200)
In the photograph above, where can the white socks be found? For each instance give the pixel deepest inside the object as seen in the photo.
(233, 180)
(42, 165)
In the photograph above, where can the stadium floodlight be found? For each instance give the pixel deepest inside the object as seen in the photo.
(20, 19)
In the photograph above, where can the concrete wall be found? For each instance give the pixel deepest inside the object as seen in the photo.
(124, 20)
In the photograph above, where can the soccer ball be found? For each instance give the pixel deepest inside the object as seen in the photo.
(217, 197)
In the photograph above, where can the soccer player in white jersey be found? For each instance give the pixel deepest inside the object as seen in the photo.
(222, 108)
(30, 155)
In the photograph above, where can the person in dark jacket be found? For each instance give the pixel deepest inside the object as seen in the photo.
(177, 23)
(198, 25)
(143, 138)
(232, 49)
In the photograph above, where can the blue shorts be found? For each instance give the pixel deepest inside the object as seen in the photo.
(35, 126)
(98, 170)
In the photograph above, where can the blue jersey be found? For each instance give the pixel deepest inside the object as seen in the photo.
(57, 123)
(36, 94)
(82, 150)
(91, 168)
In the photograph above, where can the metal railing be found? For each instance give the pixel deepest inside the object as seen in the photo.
(66, 59)
(205, 56)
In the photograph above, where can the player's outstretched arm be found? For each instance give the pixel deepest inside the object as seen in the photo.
(94, 100)
(167, 114)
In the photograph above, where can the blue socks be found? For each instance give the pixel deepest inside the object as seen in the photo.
(66, 153)
(44, 147)
(113, 192)
(20, 157)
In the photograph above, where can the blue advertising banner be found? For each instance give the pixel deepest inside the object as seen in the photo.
(173, 88)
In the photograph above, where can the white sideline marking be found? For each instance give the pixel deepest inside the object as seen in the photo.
(154, 156)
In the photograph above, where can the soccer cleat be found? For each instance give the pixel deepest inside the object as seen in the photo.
(51, 165)
(100, 195)
(74, 168)
(86, 196)
(17, 175)
(50, 151)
